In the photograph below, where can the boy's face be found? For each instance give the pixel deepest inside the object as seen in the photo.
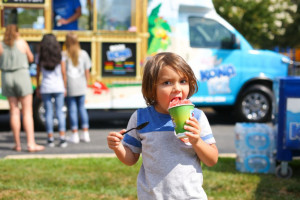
(170, 85)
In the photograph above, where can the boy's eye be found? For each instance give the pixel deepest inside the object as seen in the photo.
(183, 81)
(167, 83)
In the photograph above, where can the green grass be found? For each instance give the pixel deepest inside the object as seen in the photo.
(107, 178)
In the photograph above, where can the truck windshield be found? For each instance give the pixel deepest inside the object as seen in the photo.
(208, 33)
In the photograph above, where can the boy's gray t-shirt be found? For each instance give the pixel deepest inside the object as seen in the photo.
(170, 168)
(76, 80)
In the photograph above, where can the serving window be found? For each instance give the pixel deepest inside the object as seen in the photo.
(29, 15)
(116, 15)
(30, 18)
(113, 32)
(66, 10)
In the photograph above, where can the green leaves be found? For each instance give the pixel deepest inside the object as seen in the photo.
(262, 22)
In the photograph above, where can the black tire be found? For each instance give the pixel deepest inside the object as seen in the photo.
(254, 104)
(287, 175)
(39, 115)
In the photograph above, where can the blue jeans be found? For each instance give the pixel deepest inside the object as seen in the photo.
(75, 106)
(59, 103)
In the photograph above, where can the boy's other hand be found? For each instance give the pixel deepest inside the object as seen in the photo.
(114, 139)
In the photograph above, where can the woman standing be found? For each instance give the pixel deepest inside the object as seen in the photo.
(53, 85)
(15, 56)
(78, 64)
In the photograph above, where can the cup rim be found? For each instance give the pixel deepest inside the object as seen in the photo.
(182, 105)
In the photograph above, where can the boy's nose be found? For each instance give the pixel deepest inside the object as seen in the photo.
(176, 87)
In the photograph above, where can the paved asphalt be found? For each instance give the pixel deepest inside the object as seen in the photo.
(101, 123)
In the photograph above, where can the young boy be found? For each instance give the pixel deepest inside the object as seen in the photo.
(170, 169)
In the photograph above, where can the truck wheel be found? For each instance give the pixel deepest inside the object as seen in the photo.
(255, 104)
(39, 114)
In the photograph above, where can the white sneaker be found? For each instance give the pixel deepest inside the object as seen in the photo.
(63, 143)
(50, 143)
(74, 138)
(85, 136)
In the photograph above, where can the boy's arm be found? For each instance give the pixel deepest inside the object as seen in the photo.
(207, 153)
(125, 155)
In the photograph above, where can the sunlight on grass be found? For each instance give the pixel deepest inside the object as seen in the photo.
(108, 178)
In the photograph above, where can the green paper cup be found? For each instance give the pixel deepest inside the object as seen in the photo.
(179, 115)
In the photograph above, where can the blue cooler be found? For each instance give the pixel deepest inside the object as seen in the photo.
(286, 110)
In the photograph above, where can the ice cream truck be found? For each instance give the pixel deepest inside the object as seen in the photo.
(120, 35)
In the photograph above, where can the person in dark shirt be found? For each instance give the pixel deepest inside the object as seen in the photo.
(66, 14)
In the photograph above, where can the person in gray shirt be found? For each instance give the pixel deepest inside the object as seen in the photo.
(78, 64)
(171, 168)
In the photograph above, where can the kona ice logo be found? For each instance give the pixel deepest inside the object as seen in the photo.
(118, 53)
(218, 79)
(222, 71)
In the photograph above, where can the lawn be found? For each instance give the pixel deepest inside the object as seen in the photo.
(107, 178)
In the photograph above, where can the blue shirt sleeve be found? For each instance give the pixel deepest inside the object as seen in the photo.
(77, 4)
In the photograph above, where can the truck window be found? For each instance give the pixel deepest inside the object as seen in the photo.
(114, 14)
(85, 21)
(66, 9)
(24, 17)
(208, 33)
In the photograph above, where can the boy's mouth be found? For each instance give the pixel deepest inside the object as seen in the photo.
(176, 98)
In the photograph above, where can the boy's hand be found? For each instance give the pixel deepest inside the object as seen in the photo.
(194, 129)
(114, 139)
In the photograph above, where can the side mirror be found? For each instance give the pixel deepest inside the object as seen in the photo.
(230, 43)
(236, 44)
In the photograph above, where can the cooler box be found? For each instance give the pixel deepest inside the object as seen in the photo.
(287, 117)
(255, 145)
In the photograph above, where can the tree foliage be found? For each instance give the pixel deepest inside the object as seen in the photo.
(291, 37)
(264, 23)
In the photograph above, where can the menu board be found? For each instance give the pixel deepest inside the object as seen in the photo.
(118, 59)
(24, 1)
